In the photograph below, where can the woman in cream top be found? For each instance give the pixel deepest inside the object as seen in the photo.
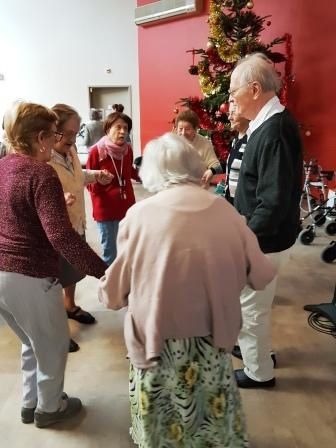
(65, 161)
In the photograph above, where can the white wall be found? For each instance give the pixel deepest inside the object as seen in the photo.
(52, 50)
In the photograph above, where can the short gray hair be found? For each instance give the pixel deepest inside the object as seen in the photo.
(170, 160)
(257, 67)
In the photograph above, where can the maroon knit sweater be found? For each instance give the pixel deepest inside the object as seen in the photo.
(34, 223)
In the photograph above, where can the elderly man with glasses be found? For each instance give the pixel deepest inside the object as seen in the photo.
(267, 195)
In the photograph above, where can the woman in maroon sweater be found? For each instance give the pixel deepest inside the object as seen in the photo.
(111, 202)
(34, 230)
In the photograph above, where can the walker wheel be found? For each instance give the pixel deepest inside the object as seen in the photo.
(328, 255)
(331, 228)
(319, 219)
(306, 236)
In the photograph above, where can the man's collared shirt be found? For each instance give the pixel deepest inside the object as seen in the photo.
(272, 107)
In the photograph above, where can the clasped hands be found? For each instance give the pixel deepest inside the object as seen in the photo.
(104, 177)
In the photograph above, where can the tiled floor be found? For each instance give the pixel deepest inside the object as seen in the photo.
(299, 413)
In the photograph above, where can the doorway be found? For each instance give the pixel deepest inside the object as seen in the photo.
(104, 97)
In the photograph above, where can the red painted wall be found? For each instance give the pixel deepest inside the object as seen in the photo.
(164, 63)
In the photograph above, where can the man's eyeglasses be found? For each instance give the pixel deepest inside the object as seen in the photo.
(58, 136)
(231, 92)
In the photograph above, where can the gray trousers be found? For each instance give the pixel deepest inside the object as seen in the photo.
(33, 309)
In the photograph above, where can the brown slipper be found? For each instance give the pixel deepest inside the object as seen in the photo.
(81, 316)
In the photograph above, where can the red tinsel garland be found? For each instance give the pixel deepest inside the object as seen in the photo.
(288, 76)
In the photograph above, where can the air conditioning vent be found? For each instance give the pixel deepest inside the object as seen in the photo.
(166, 9)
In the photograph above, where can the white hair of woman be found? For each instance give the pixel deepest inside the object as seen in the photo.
(9, 118)
(170, 160)
(257, 67)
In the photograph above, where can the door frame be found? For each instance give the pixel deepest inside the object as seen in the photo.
(109, 86)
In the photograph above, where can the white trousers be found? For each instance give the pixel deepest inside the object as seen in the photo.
(255, 338)
(33, 308)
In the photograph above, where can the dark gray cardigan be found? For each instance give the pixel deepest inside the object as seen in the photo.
(270, 182)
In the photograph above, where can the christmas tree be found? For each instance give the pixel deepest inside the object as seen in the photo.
(234, 31)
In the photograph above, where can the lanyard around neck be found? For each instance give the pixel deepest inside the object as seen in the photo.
(119, 176)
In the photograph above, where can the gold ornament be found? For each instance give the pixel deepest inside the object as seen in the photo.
(209, 86)
(249, 5)
(228, 51)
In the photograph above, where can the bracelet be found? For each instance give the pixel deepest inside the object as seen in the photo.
(213, 170)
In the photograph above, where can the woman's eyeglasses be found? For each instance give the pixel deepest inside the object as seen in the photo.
(58, 136)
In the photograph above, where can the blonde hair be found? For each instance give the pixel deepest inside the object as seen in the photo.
(64, 113)
(170, 160)
(24, 121)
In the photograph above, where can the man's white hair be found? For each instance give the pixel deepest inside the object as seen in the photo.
(170, 160)
(257, 67)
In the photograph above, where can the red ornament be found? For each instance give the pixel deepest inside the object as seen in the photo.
(224, 108)
(176, 111)
(269, 23)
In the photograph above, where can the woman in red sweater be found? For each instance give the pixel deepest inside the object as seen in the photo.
(111, 202)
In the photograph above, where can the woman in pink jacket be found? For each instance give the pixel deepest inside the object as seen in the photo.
(184, 255)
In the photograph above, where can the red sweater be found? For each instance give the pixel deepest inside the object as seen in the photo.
(107, 202)
(34, 222)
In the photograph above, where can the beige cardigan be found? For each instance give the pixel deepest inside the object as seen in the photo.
(205, 149)
(183, 258)
(74, 183)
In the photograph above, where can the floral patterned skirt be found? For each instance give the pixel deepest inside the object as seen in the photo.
(189, 400)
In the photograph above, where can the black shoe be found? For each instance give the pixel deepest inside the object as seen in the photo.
(245, 382)
(309, 307)
(73, 346)
(81, 316)
(27, 414)
(45, 419)
(236, 352)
